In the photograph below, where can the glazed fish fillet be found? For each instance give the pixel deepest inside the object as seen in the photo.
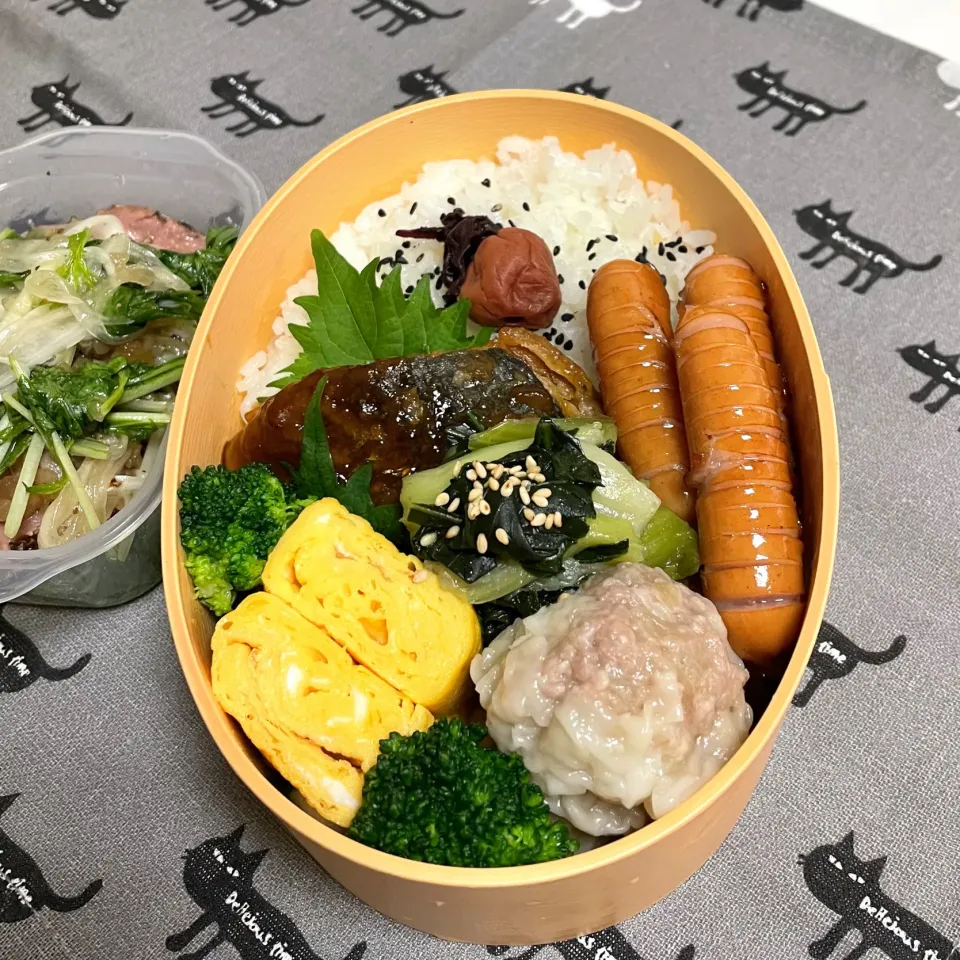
(394, 413)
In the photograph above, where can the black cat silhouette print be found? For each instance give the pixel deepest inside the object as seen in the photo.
(751, 9)
(218, 876)
(402, 14)
(941, 372)
(580, 11)
(422, 85)
(850, 887)
(98, 9)
(237, 93)
(245, 12)
(835, 656)
(609, 944)
(872, 260)
(22, 664)
(767, 90)
(55, 103)
(587, 88)
(24, 890)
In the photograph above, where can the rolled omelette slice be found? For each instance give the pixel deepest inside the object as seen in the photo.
(381, 606)
(317, 716)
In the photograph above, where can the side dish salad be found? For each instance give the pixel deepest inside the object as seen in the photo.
(96, 317)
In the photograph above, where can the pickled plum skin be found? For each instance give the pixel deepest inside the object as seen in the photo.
(622, 699)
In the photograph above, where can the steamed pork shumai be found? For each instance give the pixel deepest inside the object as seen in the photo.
(317, 716)
(380, 605)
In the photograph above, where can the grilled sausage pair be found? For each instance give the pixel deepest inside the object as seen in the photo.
(701, 415)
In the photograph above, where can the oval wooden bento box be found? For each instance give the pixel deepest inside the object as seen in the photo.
(555, 901)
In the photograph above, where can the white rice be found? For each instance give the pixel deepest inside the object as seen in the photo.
(572, 200)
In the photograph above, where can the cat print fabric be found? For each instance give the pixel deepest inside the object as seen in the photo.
(949, 72)
(245, 12)
(422, 85)
(835, 656)
(872, 261)
(941, 372)
(751, 9)
(55, 103)
(98, 9)
(219, 876)
(579, 12)
(22, 664)
(767, 90)
(237, 93)
(850, 887)
(24, 889)
(609, 944)
(587, 88)
(400, 14)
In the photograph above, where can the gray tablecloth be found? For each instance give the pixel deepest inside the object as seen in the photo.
(106, 773)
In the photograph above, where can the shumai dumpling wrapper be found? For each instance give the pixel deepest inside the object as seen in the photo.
(317, 716)
(383, 607)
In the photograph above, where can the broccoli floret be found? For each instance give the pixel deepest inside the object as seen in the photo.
(440, 797)
(230, 520)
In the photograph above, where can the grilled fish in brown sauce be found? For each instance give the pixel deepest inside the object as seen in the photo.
(395, 414)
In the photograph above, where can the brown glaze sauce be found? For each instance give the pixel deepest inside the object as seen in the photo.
(392, 413)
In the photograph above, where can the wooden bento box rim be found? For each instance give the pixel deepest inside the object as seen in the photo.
(179, 598)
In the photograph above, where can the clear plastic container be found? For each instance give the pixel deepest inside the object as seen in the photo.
(74, 173)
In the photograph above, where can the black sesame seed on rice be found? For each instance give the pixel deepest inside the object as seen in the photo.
(526, 206)
(405, 244)
(560, 277)
(682, 249)
(568, 345)
(671, 255)
(409, 290)
(699, 249)
(612, 237)
(582, 285)
(556, 251)
(559, 339)
(381, 212)
(660, 250)
(593, 256)
(567, 317)
(400, 258)
(422, 255)
(512, 224)
(485, 182)
(439, 283)
(452, 201)
(590, 245)
(413, 209)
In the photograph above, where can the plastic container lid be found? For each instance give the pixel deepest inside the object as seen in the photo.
(73, 173)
